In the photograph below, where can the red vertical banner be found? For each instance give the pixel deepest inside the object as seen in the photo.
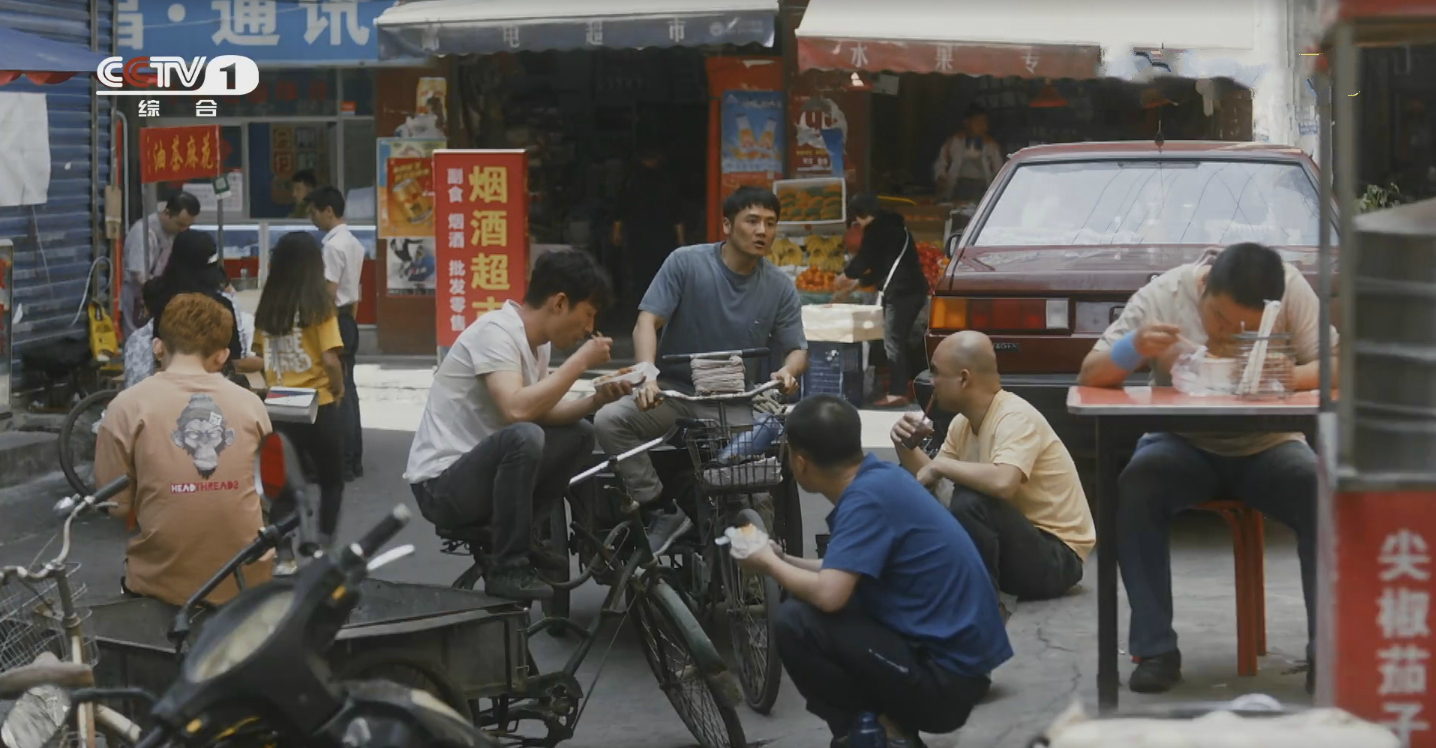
(481, 235)
(1382, 598)
(179, 154)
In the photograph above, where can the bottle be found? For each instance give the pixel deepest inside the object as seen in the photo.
(752, 442)
(867, 733)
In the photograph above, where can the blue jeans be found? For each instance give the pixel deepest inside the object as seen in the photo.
(1166, 475)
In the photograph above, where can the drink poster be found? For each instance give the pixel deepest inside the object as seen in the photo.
(404, 212)
(752, 139)
(481, 214)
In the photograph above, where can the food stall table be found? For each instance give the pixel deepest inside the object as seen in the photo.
(1120, 416)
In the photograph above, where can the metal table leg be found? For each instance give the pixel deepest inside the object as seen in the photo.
(1107, 681)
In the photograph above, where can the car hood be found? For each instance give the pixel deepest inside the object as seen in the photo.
(1123, 268)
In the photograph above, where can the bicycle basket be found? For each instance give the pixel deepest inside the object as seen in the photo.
(730, 458)
(30, 621)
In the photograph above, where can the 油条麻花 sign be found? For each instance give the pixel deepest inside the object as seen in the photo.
(266, 31)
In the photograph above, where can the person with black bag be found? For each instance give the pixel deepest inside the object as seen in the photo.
(888, 260)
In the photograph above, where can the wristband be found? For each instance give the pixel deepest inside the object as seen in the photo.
(1124, 352)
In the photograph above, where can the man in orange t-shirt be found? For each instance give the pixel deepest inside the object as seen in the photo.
(187, 438)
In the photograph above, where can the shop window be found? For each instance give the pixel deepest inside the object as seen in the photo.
(359, 90)
(231, 154)
(278, 150)
(359, 169)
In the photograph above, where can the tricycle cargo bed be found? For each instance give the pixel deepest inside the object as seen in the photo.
(479, 640)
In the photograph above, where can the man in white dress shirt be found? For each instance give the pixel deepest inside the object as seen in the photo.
(343, 261)
(147, 259)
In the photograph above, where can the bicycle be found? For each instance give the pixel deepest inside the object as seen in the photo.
(737, 455)
(612, 545)
(78, 434)
(43, 645)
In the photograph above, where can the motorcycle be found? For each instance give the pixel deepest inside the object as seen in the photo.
(256, 671)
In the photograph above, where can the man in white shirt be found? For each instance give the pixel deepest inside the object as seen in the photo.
(498, 440)
(343, 261)
(145, 258)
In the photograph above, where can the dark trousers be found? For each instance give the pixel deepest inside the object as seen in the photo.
(353, 428)
(515, 474)
(1022, 560)
(899, 315)
(846, 663)
(323, 443)
(1166, 475)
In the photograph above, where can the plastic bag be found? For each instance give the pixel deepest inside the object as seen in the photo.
(744, 541)
(1189, 371)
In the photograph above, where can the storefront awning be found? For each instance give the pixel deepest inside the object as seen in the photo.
(447, 27)
(42, 60)
(1027, 38)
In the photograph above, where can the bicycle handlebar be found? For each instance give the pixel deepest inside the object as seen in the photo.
(99, 499)
(18, 680)
(722, 397)
(678, 358)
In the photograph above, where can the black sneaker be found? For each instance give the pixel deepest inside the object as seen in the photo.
(517, 583)
(666, 527)
(1157, 674)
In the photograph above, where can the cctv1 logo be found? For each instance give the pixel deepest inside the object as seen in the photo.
(226, 75)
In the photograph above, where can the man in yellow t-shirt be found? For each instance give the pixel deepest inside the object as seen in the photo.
(1015, 486)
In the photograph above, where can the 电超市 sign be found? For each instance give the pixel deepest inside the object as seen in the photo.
(480, 235)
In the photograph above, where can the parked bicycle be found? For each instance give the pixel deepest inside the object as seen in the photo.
(43, 643)
(78, 434)
(612, 545)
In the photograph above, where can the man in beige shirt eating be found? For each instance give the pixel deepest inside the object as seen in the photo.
(1015, 487)
(1207, 302)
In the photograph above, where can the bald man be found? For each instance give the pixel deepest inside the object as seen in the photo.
(1014, 485)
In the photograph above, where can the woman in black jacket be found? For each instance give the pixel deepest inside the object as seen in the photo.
(904, 289)
(194, 267)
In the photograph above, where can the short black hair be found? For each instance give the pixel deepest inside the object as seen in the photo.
(1250, 274)
(570, 272)
(744, 198)
(862, 205)
(327, 197)
(182, 202)
(306, 177)
(826, 430)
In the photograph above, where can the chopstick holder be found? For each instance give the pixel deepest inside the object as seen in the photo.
(1256, 361)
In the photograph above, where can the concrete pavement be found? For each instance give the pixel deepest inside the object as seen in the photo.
(1055, 642)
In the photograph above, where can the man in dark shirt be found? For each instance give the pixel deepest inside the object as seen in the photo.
(888, 261)
(898, 619)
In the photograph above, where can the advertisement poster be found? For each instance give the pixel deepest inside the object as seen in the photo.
(410, 197)
(430, 97)
(178, 154)
(752, 138)
(411, 265)
(481, 217)
(820, 133)
(391, 216)
(1382, 594)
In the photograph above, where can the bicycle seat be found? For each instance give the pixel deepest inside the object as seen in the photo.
(465, 539)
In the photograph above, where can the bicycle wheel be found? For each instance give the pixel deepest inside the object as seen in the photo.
(788, 515)
(752, 616)
(671, 640)
(398, 666)
(77, 440)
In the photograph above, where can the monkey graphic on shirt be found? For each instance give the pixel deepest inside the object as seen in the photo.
(203, 433)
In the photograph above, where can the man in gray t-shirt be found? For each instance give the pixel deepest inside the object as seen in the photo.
(706, 298)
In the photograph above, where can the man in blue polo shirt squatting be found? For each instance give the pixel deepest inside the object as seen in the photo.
(898, 619)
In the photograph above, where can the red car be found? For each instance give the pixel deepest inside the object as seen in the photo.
(1067, 233)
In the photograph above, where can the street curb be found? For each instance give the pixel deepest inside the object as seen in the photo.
(25, 455)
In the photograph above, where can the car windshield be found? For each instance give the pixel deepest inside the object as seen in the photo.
(1154, 202)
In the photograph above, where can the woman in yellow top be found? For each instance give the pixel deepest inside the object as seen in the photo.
(297, 333)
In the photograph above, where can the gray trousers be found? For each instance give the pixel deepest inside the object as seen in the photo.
(1166, 475)
(621, 426)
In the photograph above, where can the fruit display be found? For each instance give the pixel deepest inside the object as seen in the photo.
(933, 262)
(810, 200)
(815, 279)
(785, 252)
(826, 252)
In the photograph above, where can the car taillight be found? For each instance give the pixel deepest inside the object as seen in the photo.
(998, 315)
